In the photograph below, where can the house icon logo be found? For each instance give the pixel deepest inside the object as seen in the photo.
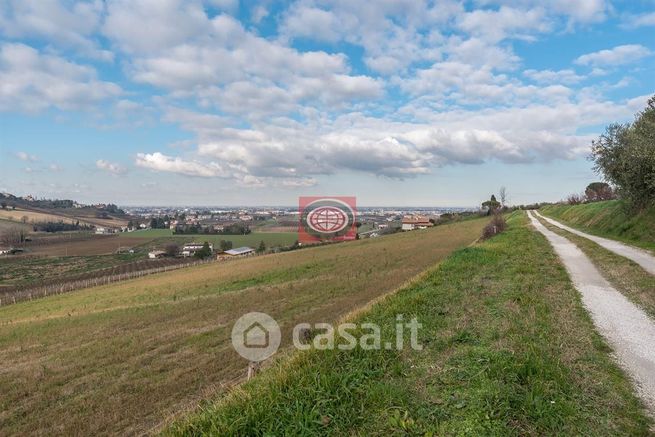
(256, 336)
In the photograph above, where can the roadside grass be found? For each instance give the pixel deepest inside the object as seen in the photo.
(508, 350)
(610, 219)
(626, 276)
(126, 358)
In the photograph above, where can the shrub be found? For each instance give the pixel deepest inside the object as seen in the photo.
(575, 199)
(495, 226)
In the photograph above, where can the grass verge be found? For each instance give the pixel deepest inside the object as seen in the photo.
(610, 219)
(508, 350)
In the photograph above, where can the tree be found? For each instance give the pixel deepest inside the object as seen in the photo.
(3, 204)
(503, 196)
(625, 156)
(24, 219)
(13, 236)
(203, 253)
(225, 245)
(491, 205)
(262, 247)
(597, 191)
(172, 249)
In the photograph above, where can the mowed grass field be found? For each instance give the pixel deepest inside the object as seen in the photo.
(131, 357)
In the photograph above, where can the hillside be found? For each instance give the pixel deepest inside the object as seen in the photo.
(508, 350)
(610, 219)
(124, 358)
(16, 209)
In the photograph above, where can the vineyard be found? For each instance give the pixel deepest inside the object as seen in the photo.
(122, 272)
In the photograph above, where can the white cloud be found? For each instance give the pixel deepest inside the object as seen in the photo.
(24, 156)
(67, 23)
(616, 56)
(143, 26)
(113, 168)
(496, 25)
(31, 81)
(160, 162)
(567, 76)
(642, 20)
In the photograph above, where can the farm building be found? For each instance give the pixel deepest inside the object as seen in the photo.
(236, 253)
(411, 222)
(191, 248)
(104, 231)
(156, 254)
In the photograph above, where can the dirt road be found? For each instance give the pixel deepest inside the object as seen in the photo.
(629, 331)
(641, 257)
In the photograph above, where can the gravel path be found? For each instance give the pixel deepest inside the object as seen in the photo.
(641, 257)
(624, 325)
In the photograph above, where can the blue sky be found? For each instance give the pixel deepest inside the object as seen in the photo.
(219, 102)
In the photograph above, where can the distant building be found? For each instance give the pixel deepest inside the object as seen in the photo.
(104, 231)
(236, 253)
(191, 248)
(411, 222)
(156, 254)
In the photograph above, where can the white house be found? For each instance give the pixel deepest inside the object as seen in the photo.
(411, 222)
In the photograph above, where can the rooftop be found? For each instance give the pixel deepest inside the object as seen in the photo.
(240, 250)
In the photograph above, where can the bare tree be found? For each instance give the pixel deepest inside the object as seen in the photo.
(13, 236)
(24, 219)
(503, 196)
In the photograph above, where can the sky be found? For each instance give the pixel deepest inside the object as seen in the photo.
(396, 102)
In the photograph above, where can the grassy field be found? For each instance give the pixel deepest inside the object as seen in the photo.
(128, 357)
(508, 350)
(161, 237)
(608, 219)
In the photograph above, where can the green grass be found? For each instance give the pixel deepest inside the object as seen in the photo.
(508, 350)
(608, 219)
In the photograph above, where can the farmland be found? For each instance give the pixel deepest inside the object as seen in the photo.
(34, 216)
(130, 357)
(94, 245)
(161, 237)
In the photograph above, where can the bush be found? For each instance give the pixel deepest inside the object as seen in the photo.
(495, 226)
(575, 199)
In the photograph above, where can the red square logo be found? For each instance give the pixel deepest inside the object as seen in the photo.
(324, 218)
